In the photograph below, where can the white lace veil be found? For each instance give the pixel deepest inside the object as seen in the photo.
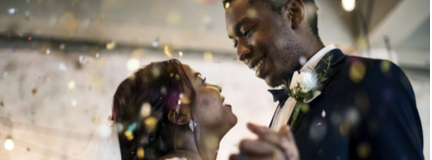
(104, 144)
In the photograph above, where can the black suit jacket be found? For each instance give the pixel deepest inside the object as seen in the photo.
(367, 110)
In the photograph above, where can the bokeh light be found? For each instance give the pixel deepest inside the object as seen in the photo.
(357, 71)
(71, 85)
(73, 102)
(145, 109)
(348, 5)
(133, 64)
(181, 54)
(110, 45)
(129, 135)
(9, 144)
(11, 10)
(140, 153)
(168, 51)
(363, 150)
(208, 56)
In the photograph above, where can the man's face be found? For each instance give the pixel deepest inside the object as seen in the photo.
(264, 39)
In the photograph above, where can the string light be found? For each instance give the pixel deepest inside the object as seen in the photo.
(348, 5)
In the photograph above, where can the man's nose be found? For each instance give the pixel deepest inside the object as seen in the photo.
(243, 52)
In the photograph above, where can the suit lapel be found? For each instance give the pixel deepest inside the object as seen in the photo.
(337, 58)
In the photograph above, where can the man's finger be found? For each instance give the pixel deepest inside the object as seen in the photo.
(257, 148)
(258, 130)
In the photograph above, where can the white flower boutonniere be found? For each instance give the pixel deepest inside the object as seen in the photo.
(304, 87)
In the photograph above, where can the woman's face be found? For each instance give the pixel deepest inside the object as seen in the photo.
(210, 111)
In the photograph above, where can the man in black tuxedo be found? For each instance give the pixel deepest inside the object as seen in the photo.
(366, 109)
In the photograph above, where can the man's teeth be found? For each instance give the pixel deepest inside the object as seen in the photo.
(258, 65)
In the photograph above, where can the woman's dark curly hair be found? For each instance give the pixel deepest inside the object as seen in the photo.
(159, 84)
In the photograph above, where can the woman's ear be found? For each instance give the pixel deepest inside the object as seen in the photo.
(295, 12)
(180, 117)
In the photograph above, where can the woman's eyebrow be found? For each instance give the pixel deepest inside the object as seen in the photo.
(196, 74)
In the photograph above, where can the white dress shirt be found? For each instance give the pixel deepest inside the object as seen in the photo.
(283, 114)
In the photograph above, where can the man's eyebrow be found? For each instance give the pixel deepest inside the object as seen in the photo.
(196, 74)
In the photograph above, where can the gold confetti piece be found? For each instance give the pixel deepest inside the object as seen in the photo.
(146, 109)
(357, 71)
(71, 85)
(211, 142)
(100, 62)
(363, 150)
(140, 153)
(150, 123)
(9, 144)
(174, 18)
(251, 12)
(137, 53)
(385, 66)
(34, 90)
(227, 5)
(168, 51)
(129, 135)
(132, 64)
(96, 120)
(110, 45)
(48, 51)
(229, 10)
(184, 99)
(69, 22)
(304, 108)
(208, 56)
(180, 53)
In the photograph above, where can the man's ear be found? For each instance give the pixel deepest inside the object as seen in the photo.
(180, 117)
(295, 11)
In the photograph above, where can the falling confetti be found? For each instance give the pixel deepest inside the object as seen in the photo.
(385, 66)
(227, 5)
(62, 46)
(69, 22)
(29, 38)
(140, 153)
(146, 109)
(302, 60)
(317, 130)
(110, 45)
(11, 10)
(62, 67)
(305, 107)
(163, 90)
(129, 135)
(363, 150)
(100, 62)
(155, 43)
(168, 51)
(357, 71)
(181, 54)
(119, 127)
(174, 18)
(34, 90)
(97, 55)
(208, 56)
(96, 120)
(137, 53)
(251, 12)
(5, 74)
(323, 113)
(71, 85)
(48, 51)
(27, 13)
(132, 64)
(81, 59)
(150, 123)
(211, 142)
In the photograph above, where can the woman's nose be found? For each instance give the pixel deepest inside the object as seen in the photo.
(219, 88)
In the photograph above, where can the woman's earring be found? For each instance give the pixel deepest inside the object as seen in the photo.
(192, 125)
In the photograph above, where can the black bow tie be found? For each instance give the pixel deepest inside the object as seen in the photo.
(281, 94)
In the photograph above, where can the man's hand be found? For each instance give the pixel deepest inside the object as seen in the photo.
(269, 145)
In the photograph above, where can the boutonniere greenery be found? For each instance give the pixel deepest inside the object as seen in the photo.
(305, 87)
